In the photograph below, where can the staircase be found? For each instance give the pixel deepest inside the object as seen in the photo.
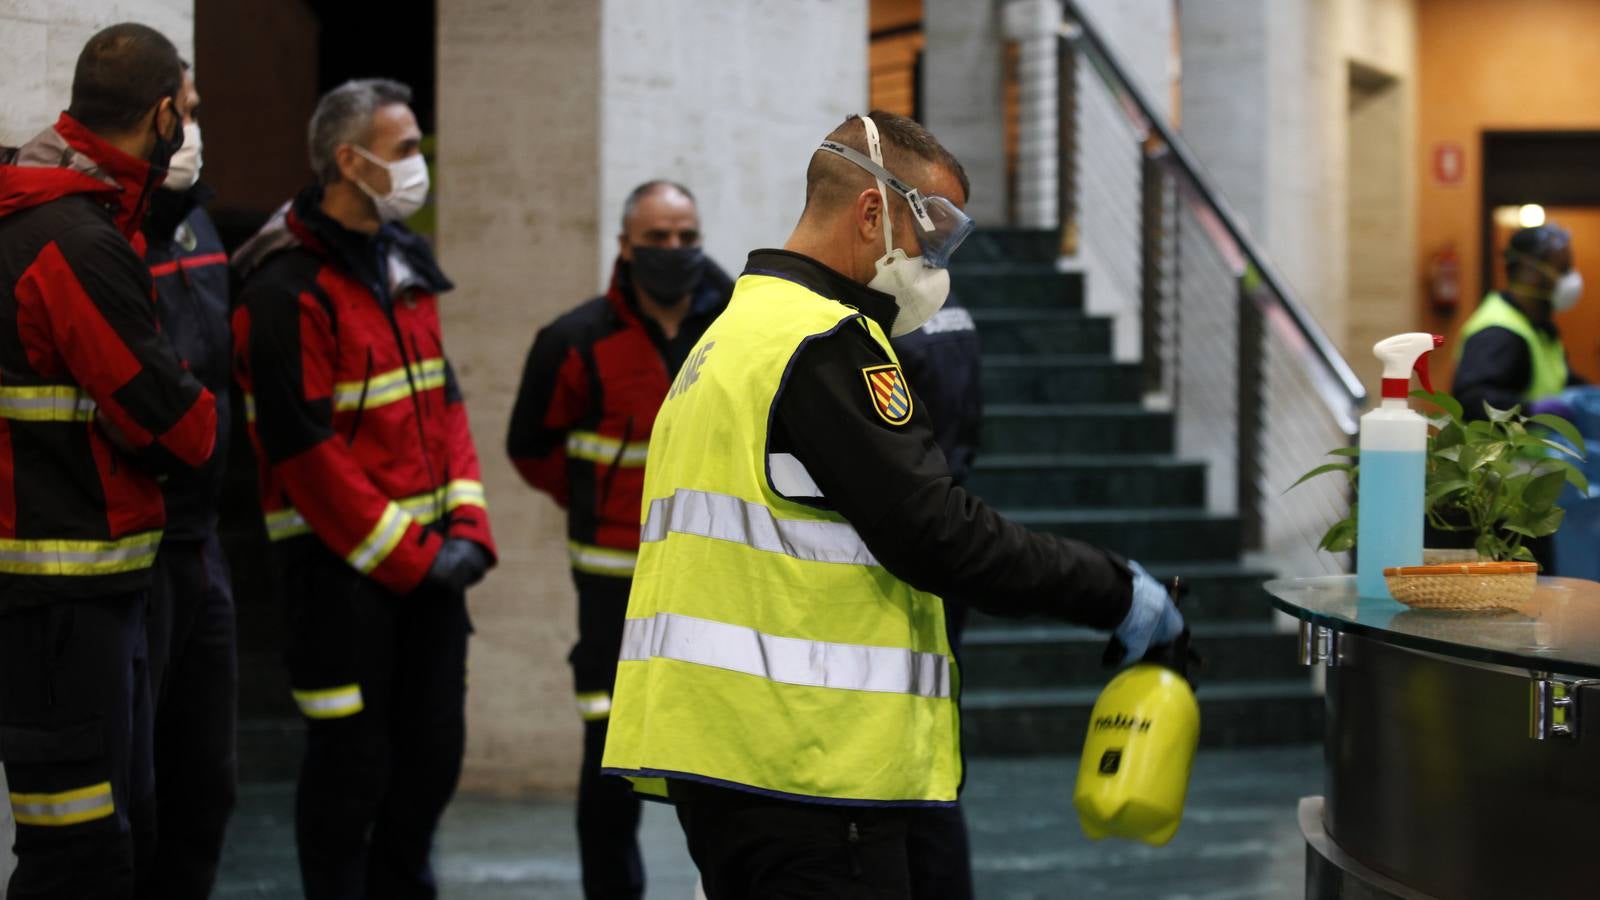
(1069, 449)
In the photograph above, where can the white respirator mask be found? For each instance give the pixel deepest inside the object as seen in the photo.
(408, 186)
(1568, 291)
(183, 170)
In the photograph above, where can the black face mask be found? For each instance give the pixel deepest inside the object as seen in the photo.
(161, 154)
(668, 275)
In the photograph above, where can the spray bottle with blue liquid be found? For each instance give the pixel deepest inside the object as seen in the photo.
(1394, 471)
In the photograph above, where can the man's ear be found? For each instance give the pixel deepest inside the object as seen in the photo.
(868, 210)
(347, 160)
(624, 249)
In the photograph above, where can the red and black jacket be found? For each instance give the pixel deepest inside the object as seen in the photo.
(591, 388)
(94, 403)
(357, 419)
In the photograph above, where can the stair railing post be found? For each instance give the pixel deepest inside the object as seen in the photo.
(1252, 411)
(1067, 143)
(1152, 260)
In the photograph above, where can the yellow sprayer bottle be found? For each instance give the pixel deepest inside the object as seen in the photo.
(1134, 772)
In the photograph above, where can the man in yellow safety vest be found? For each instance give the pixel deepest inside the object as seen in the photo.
(784, 664)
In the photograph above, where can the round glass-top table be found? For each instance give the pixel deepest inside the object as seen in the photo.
(1557, 629)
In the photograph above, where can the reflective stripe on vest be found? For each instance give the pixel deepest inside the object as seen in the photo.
(1547, 360)
(601, 560)
(381, 541)
(330, 703)
(593, 705)
(845, 667)
(425, 508)
(598, 448)
(72, 557)
(64, 808)
(48, 403)
(388, 387)
(725, 518)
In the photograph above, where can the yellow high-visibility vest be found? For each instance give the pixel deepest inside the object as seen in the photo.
(765, 647)
(1548, 359)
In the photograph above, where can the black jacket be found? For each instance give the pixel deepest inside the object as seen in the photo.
(942, 362)
(190, 270)
(891, 482)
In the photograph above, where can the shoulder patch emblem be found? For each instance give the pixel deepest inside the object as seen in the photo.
(890, 396)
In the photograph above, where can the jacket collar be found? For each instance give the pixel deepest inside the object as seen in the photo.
(71, 159)
(302, 223)
(821, 280)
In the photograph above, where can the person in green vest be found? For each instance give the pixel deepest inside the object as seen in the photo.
(1511, 352)
(785, 678)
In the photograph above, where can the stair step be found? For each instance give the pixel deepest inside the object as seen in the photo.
(1170, 535)
(1097, 481)
(1059, 378)
(1042, 331)
(1037, 286)
(1218, 591)
(1043, 721)
(270, 748)
(1010, 245)
(1041, 656)
(1078, 428)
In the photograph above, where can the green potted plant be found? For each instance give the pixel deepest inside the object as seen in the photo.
(1495, 479)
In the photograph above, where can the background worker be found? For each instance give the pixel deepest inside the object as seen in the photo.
(370, 486)
(94, 405)
(942, 361)
(193, 657)
(1511, 350)
(580, 432)
(784, 663)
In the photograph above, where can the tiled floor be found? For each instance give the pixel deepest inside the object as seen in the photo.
(1239, 839)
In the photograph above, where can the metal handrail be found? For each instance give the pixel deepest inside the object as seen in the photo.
(1341, 390)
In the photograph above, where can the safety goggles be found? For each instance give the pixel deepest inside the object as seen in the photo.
(942, 225)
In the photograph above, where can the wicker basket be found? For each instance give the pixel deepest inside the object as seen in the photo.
(1463, 586)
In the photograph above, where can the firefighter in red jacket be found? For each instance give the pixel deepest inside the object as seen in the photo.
(371, 492)
(579, 432)
(94, 405)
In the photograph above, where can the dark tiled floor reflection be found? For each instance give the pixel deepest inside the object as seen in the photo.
(1239, 839)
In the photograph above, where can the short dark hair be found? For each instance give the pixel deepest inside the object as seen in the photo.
(122, 73)
(906, 146)
(644, 190)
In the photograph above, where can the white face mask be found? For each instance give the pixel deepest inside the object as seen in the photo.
(1568, 291)
(918, 288)
(408, 186)
(184, 169)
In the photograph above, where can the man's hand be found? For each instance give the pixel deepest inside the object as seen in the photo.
(1152, 620)
(459, 565)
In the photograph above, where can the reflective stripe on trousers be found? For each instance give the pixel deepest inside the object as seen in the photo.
(601, 560)
(786, 660)
(728, 518)
(330, 703)
(64, 808)
(593, 705)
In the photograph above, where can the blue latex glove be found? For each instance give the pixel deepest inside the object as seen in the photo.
(1152, 620)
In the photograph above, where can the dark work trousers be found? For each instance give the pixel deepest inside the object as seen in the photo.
(194, 676)
(381, 679)
(608, 809)
(752, 847)
(75, 738)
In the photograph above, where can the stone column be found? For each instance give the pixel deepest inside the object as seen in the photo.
(548, 115)
(963, 97)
